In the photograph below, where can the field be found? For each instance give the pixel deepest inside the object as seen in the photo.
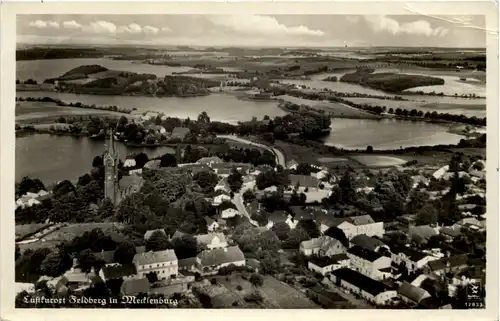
(276, 294)
(71, 231)
(25, 229)
(378, 160)
(337, 109)
(27, 111)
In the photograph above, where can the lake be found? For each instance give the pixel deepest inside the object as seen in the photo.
(387, 134)
(40, 70)
(219, 106)
(54, 158)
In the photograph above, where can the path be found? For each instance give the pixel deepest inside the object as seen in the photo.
(280, 157)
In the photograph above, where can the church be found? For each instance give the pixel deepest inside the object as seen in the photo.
(114, 188)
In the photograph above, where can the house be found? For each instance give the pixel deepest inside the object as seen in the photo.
(440, 172)
(421, 234)
(362, 224)
(254, 265)
(158, 129)
(368, 242)
(280, 217)
(292, 164)
(321, 246)
(76, 280)
(135, 286)
(209, 160)
(419, 180)
(322, 174)
(327, 220)
(370, 263)
(115, 271)
(452, 264)
(472, 223)
(180, 132)
(411, 294)
(28, 287)
(163, 263)
(303, 182)
(369, 289)
(153, 164)
(26, 201)
(189, 264)
(212, 240)
(450, 232)
(223, 186)
(325, 265)
(221, 198)
(149, 233)
(129, 162)
(212, 225)
(213, 260)
(412, 259)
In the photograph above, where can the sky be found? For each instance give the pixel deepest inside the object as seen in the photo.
(254, 30)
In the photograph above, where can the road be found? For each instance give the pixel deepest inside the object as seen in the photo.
(240, 206)
(280, 157)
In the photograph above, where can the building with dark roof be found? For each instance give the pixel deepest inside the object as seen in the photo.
(303, 181)
(452, 264)
(189, 264)
(371, 290)
(412, 294)
(327, 299)
(322, 246)
(363, 224)
(367, 242)
(370, 263)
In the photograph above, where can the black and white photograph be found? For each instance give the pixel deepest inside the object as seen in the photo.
(252, 161)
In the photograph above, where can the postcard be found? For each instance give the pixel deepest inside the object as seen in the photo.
(289, 159)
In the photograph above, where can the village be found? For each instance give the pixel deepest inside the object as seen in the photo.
(288, 236)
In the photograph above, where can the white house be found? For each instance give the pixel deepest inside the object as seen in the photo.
(440, 172)
(369, 263)
(322, 174)
(219, 199)
(369, 289)
(212, 240)
(322, 246)
(229, 212)
(163, 263)
(212, 225)
(129, 162)
(325, 265)
(222, 185)
(412, 259)
(363, 224)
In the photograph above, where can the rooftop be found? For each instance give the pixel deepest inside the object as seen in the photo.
(326, 261)
(367, 242)
(303, 180)
(412, 292)
(135, 286)
(117, 271)
(220, 256)
(361, 281)
(363, 253)
(154, 257)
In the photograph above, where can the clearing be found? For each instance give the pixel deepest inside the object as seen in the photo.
(71, 231)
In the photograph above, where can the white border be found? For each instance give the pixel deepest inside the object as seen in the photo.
(8, 13)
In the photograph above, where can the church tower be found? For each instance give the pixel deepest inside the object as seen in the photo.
(111, 171)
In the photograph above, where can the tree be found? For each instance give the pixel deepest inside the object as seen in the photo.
(29, 185)
(235, 180)
(185, 246)
(17, 252)
(106, 208)
(87, 260)
(63, 188)
(427, 215)
(338, 234)
(369, 149)
(256, 280)
(158, 242)
(282, 230)
(310, 227)
(168, 160)
(124, 253)
(84, 180)
(55, 264)
(296, 236)
(249, 196)
(141, 159)
(97, 162)
(206, 180)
